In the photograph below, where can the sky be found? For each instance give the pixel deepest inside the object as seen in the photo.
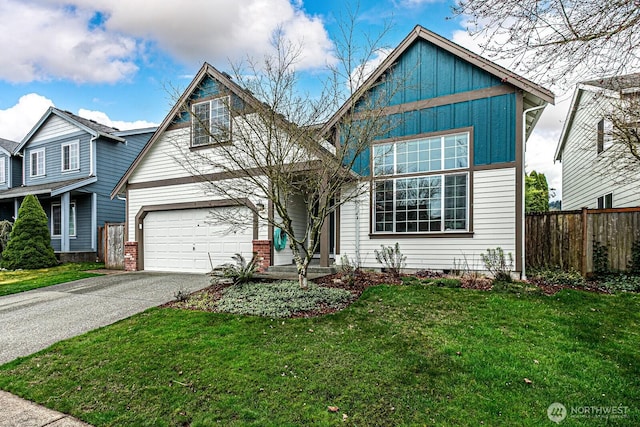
(119, 63)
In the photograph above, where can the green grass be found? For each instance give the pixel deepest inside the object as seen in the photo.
(14, 281)
(401, 355)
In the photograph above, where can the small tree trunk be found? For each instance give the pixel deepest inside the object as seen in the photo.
(303, 267)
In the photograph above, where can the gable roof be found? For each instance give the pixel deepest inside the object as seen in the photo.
(222, 78)
(8, 146)
(90, 126)
(537, 94)
(616, 84)
(622, 84)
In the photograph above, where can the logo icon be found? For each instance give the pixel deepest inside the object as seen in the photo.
(557, 412)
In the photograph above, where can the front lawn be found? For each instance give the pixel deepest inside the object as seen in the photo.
(14, 281)
(401, 355)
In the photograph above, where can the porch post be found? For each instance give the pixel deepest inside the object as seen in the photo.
(94, 222)
(324, 231)
(65, 203)
(324, 244)
(16, 208)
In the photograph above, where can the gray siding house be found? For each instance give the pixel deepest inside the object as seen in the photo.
(71, 164)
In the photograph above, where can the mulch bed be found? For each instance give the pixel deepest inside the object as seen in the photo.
(364, 279)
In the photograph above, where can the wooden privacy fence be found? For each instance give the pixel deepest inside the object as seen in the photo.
(566, 239)
(112, 245)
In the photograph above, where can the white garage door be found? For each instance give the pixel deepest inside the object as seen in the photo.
(183, 241)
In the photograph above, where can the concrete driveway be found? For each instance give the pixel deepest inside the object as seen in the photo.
(36, 319)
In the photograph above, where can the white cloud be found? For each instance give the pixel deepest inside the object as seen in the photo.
(100, 40)
(363, 71)
(104, 119)
(44, 41)
(216, 30)
(17, 121)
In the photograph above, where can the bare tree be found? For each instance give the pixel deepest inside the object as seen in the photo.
(274, 150)
(553, 40)
(619, 130)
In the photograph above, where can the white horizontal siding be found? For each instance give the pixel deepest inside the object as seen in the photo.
(297, 212)
(173, 194)
(161, 161)
(53, 128)
(171, 157)
(494, 224)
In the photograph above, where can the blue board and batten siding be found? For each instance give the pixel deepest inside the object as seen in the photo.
(425, 71)
(209, 88)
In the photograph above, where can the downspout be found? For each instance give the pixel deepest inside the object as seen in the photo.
(357, 236)
(523, 275)
(92, 156)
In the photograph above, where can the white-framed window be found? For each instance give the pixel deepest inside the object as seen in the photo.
(56, 219)
(37, 158)
(421, 185)
(210, 122)
(70, 156)
(3, 169)
(606, 201)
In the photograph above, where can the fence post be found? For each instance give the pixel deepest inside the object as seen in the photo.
(585, 243)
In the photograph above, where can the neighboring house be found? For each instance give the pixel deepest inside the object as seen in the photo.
(447, 183)
(71, 164)
(10, 174)
(593, 167)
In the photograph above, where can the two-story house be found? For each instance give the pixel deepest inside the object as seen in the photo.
(447, 182)
(71, 164)
(597, 172)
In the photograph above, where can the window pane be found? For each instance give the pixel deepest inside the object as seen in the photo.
(456, 151)
(383, 207)
(220, 119)
(55, 220)
(383, 159)
(200, 123)
(455, 202)
(72, 219)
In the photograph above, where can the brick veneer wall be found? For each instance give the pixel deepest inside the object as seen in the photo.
(263, 249)
(131, 256)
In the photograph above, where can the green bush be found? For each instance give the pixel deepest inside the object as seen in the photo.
(634, 263)
(557, 277)
(391, 258)
(240, 272)
(5, 232)
(498, 264)
(621, 282)
(280, 299)
(29, 245)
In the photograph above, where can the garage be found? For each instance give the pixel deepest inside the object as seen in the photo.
(184, 240)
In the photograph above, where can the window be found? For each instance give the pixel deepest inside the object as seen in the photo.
(37, 162)
(606, 201)
(419, 185)
(56, 219)
(3, 175)
(211, 122)
(605, 135)
(70, 156)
